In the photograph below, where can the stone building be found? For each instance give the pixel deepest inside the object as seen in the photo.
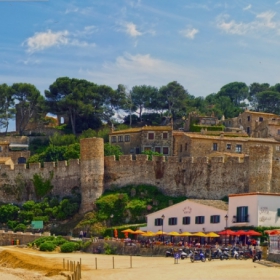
(201, 144)
(136, 140)
(20, 155)
(249, 120)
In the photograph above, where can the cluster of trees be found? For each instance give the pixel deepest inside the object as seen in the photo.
(88, 105)
(65, 147)
(18, 218)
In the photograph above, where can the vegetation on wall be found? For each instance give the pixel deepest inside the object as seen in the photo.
(126, 205)
(42, 186)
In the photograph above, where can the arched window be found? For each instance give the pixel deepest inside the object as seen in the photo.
(21, 160)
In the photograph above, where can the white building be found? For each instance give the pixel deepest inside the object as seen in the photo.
(190, 215)
(247, 209)
(254, 209)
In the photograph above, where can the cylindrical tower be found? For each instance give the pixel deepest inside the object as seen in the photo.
(92, 171)
(260, 168)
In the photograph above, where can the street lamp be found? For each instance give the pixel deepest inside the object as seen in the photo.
(162, 218)
(112, 216)
(226, 218)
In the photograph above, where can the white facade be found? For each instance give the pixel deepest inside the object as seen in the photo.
(188, 208)
(262, 209)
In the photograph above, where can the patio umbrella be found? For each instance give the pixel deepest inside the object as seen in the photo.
(160, 232)
(252, 232)
(273, 232)
(240, 232)
(186, 233)
(148, 234)
(212, 234)
(138, 231)
(227, 232)
(128, 230)
(173, 233)
(199, 234)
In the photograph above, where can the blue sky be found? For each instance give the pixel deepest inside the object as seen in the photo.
(201, 44)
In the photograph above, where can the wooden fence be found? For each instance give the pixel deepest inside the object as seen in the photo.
(75, 269)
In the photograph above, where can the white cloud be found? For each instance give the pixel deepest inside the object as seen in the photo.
(88, 30)
(74, 9)
(247, 7)
(189, 32)
(278, 2)
(262, 22)
(140, 69)
(42, 40)
(131, 29)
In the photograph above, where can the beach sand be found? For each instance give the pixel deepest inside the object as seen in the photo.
(29, 264)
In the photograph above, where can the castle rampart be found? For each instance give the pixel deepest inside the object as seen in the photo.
(210, 177)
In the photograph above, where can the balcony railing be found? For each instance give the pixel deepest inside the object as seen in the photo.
(240, 219)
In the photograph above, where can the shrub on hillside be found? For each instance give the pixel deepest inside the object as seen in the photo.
(69, 247)
(47, 246)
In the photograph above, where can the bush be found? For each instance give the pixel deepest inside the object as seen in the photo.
(20, 227)
(109, 250)
(47, 246)
(69, 247)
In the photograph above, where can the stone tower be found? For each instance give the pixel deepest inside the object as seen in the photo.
(92, 171)
(260, 168)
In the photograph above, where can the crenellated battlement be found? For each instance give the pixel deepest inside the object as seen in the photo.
(207, 177)
(38, 167)
(173, 159)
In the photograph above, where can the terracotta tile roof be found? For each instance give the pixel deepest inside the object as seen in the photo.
(219, 204)
(144, 128)
(262, 113)
(254, 193)
(3, 160)
(194, 135)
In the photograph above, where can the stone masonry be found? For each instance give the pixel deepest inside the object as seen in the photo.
(197, 177)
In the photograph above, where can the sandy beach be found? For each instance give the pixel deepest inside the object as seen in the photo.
(24, 263)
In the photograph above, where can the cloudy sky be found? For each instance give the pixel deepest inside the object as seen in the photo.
(202, 44)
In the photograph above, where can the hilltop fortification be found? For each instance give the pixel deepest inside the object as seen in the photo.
(199, 177)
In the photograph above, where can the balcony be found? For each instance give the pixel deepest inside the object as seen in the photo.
(240, 219)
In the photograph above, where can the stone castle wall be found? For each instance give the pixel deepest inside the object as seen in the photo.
(200, 177)
(197, 177)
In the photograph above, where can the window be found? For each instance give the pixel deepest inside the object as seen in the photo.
(158, 150)
(214, 219)
(248, 130)
(158, 222)
(249, 118)
(165, 150)
(278, 212)
(151, 136)
(278, 132)
(113, 139)
(260, 119)
(186, 220)
(164, 135)
(186, 146)
(242, 214)
(277, 148)
(137, 151)
(0, 148)
(238, 148)
(120, 138)
(127, 138)
(199, 220)
(228, 146)
(215, 147)
(172, 221)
